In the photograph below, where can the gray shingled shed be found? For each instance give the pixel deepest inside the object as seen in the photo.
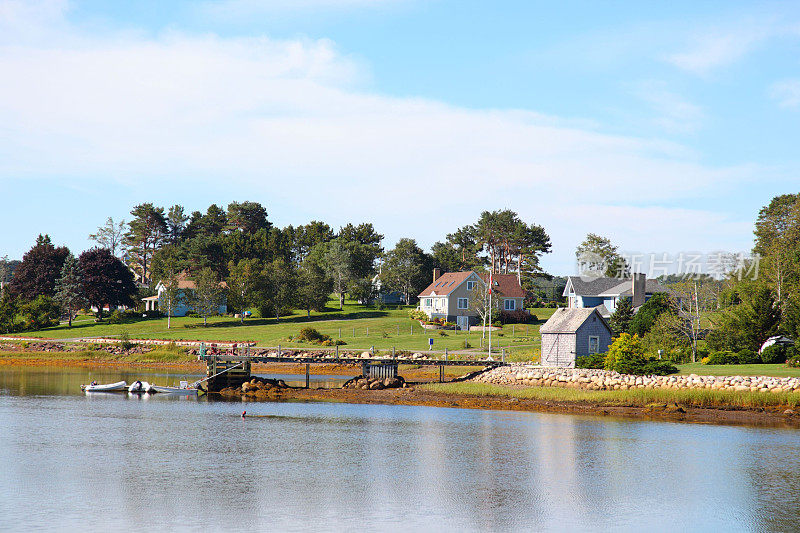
(571, 333)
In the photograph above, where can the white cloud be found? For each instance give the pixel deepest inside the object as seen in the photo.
(714, 51)
(243, 9)
(673, 113)
(286, 121)
(786, 92)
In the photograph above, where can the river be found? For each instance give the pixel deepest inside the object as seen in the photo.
(71, 461)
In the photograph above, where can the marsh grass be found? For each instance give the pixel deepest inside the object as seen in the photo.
(631, 397)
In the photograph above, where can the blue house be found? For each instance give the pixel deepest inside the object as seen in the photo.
(604, 293)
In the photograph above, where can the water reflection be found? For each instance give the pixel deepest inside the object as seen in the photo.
(109, 461)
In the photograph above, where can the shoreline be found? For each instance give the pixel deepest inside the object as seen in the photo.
(509, 399)
(417, 395)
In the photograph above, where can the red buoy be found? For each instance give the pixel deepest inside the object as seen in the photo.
(244, 413)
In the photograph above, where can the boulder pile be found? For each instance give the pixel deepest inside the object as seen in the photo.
(365, 383)
(256, 389)
(521, 374)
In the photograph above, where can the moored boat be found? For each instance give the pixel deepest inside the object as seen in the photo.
(140, 387)
(183, 389)
(119, 386)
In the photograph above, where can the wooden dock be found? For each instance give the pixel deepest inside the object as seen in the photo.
(231, 370)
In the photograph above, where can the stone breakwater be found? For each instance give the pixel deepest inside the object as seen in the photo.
(591, 379)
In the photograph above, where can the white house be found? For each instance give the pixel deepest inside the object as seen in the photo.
(183, 306)
(448, 295)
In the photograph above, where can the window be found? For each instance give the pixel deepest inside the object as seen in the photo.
(463, 303)
(510, 305)
(471, 285)
(594, 344)
(428, 302)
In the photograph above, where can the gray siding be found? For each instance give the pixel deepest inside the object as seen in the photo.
(558, 349)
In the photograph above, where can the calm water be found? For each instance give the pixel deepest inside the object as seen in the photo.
(70, 461)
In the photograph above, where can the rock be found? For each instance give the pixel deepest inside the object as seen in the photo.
(376, 385)
(788, 412)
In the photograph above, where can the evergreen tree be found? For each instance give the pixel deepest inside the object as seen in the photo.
(621, 318)
(176, 224)
(279, 289)
(597, 256)
(69, 288)
(146, 233)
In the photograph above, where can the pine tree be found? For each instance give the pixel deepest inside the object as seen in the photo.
(69, 288)
(621, 318)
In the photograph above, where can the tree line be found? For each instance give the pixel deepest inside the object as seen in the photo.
(272, 269)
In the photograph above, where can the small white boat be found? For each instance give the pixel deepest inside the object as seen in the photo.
(173, 390)
(140, 387)
(119, 386)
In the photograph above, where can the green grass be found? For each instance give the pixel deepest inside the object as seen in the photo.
(631, 397)
(163, 354)
(778, 370)
(360, 327)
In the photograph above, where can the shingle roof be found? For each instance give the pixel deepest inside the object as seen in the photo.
(566, 320)
(505, 284)
(611, 286)
(445, 283)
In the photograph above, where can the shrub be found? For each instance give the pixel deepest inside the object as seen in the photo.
(416, 314)
(774, 354)
(339, 342)
(658, 367)
(40, 313)
(747, 356)
(595, 360)
(115, 317)
(311, 335)
(520, 316)
(626, 355)
(721, 357)
(443, 333)
(466, 344)
(125, 341)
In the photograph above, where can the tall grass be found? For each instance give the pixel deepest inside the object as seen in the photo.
(631, 397)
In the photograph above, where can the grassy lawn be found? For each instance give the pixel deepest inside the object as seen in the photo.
(632, 397)
(359, 326)
(779, 370)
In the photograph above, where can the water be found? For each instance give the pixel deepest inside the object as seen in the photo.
(70, 461)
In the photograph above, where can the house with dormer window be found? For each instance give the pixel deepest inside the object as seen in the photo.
(448, 296)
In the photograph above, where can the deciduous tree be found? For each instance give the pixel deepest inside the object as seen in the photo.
(106, 280)
(110, 235)
(207, 296)
(39, 270)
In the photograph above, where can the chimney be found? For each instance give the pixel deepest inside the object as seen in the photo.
(436, 273)
(638, 288)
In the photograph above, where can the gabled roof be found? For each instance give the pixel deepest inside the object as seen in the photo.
(445, 284)
(566, 320)
(185, 283)
(609, 286)
(506, 285)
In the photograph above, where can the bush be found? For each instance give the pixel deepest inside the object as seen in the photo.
(40, 313)
(520, 316)
(626, 355)
(311, 335)
(774, 354)
(416, 314)
(721, 357)
(466, 344)
(747, 356)
(115, 317)
(658, 367)
(125, 341)
(595, 360)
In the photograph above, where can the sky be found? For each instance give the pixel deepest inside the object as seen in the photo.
(663, 126)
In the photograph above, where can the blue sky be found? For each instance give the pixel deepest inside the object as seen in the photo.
(662, 126)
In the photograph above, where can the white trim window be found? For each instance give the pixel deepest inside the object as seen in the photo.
(510, 304)
(471, 285)
(428, 302)
(594, 344)
(463, 303)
